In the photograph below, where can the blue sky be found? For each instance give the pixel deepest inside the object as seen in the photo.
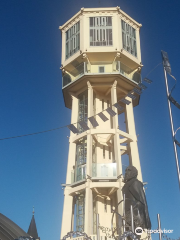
(32, 168)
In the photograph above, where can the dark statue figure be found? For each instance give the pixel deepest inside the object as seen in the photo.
(135, 196)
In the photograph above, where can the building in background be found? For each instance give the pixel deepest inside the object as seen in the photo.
(101, 64)
(11, 231)
(32, 231)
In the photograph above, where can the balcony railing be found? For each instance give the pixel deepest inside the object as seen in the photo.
(85, 68)
(99, 170)
(79, 174)
(104, 170)
(93, 237)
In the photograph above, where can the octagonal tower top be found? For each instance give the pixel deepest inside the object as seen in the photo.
(101, 30)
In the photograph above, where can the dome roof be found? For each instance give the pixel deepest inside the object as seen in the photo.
(9, 230)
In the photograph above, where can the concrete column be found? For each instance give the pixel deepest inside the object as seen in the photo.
(72, 146)
(88, 223)
(63, 53)
(138, 45)
(90, 100)
(89, 137)
(67, 214)
(75, 107)
(133, 147)
(81, 33)
(88, 196)
(117, 153)
(68, 200)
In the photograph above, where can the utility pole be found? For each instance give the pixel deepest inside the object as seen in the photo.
(167, 69)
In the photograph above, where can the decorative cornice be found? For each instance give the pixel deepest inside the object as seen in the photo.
(89, 85)
(72, 21)
(129, 20)
(100, 11)
(114, 84)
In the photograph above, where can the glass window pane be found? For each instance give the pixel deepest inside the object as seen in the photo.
(73, 39)
(78, 46)
(104, 35)
(124, 39)
(103, 21)
(129, 38)
(97, 35)
(101, 31)
(127, 28)
(109, 21)
(91, 35)
(91, 22)
(134, 33)
(67, 35)
(123, 25)
(110, 34)
(94, 37)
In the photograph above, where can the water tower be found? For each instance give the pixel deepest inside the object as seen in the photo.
(101, 64)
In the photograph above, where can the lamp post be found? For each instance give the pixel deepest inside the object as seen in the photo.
(167, 68)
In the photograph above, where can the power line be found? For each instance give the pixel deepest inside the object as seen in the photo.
(54, 129)
(153, 69)
(29, 134)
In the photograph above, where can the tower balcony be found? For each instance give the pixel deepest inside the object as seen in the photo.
(72, 74)
(104, 171)
(99, 171)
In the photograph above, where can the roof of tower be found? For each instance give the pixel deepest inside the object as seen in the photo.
(32, 231)
(102, 10)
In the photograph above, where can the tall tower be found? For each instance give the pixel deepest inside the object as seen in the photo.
(101, 64)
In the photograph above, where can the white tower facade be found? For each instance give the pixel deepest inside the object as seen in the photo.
(101, 64)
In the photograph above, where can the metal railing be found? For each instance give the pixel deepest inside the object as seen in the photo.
(98, 68)
(104, 170)
(73, 75)
(129, 73)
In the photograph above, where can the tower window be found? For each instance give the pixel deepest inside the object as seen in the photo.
(105, 204)
(80, 211)
(103, 151)
(81, 157)
(109, 152)
(102, 104)
(129, 38)
(101, 69)
(83, 109)
(101, 31)
(72, 40)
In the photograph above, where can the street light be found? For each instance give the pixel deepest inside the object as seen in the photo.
(167, 69)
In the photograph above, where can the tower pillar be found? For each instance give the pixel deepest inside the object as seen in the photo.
(117, 145)
(66, 225)
(133, 147)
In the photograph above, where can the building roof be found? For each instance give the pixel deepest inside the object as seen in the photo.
(32, 231)
(9, 230)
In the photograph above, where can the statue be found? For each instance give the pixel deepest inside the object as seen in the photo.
(135, 196)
